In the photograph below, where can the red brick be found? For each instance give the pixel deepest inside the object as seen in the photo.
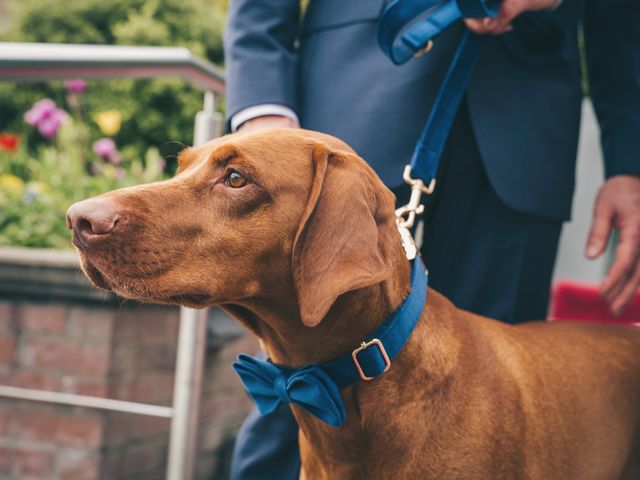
(154, 387)
(121, 427)
(36, 425)
(29, 462)
(4, 424)
(211, 436)
(147, 426)
(62, 355)
(120, 389)
(123, 357)
(149, 323)
(5, 463)
(80, 432)
(157, 355)
(77, 464)
(7, 348)
(111, 464)
(88, 387)
(7, 313)
(118, 428)
(142, 458)
(35, 380)
(87, 323)
(42, 318)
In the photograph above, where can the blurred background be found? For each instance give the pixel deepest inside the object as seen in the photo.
(86, 380)
(92, 387)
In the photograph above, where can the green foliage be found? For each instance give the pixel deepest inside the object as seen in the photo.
(157, 113)
(41, 179)
(37, 188)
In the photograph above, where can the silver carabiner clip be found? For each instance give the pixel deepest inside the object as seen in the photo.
(406, 214)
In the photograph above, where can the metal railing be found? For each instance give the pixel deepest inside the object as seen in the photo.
(37, 62)
(49, 61)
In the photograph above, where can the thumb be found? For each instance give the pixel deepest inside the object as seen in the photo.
(600, 230)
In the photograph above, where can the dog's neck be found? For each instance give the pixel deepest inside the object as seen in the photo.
(275, 319)
(354, 316)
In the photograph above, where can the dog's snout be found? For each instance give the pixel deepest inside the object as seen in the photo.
(91, 218)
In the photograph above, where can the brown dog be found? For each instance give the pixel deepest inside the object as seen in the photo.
(295, 236)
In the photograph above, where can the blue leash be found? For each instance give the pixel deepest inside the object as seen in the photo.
(393, 19)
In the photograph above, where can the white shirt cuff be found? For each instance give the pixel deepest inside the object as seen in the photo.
(260, 111)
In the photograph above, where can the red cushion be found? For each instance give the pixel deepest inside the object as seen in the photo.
(578, 302)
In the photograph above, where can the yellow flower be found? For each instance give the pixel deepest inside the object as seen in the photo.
(108, 121)
(38, 187)
(11, 184)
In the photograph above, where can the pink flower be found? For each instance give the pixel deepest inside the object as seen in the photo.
(48, 127)
(39, 111)
(76, 86)
(46, 117)
(106, 149)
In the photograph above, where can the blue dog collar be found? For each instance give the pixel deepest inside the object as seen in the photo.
(315, 388)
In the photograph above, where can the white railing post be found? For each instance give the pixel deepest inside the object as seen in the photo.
(191, 344)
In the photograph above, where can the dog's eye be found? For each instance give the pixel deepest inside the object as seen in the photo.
(235, 180)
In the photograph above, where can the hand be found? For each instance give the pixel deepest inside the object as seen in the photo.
(509, 9)
(267, 121)
(618, 206)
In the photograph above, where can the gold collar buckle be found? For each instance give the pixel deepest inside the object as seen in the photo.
(364, 346)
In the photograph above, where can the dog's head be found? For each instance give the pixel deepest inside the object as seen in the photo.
(244, 215)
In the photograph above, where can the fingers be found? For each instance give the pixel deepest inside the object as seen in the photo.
(624, 295)
(488, 26)
(509, 9)
(600, 229)
(623, 278)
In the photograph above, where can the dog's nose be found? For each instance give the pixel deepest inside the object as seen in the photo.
(93, 217)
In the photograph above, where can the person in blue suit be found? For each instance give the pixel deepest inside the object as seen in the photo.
(506, 177)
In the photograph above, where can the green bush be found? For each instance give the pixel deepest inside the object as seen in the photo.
(158, 113)
(38, 184)
(40, 178)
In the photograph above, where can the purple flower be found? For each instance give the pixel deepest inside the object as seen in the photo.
(106, 149)
(46, 117)
(39, 111)
(76, 85)
(48, 127)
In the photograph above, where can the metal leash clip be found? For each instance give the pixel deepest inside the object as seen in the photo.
(424, 50)
(406, 215)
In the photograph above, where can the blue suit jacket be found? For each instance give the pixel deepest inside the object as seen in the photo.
(525, 113)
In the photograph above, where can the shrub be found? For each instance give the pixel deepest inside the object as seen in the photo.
(149, 120)
(38, 184)
(154, 112)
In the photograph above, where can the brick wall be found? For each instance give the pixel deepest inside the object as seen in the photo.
(123, 351)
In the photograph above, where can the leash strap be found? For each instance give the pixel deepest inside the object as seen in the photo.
(398, 19)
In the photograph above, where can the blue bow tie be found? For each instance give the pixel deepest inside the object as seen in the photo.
(310, 388)
(316, 388)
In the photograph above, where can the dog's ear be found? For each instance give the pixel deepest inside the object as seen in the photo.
(342, 243)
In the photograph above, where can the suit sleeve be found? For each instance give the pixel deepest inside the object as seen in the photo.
(260, 53)
(612, 47)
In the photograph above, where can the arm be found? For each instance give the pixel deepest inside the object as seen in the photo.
(261, 61)
(612, 44)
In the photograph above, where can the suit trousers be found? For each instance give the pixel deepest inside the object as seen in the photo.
(482, 255)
